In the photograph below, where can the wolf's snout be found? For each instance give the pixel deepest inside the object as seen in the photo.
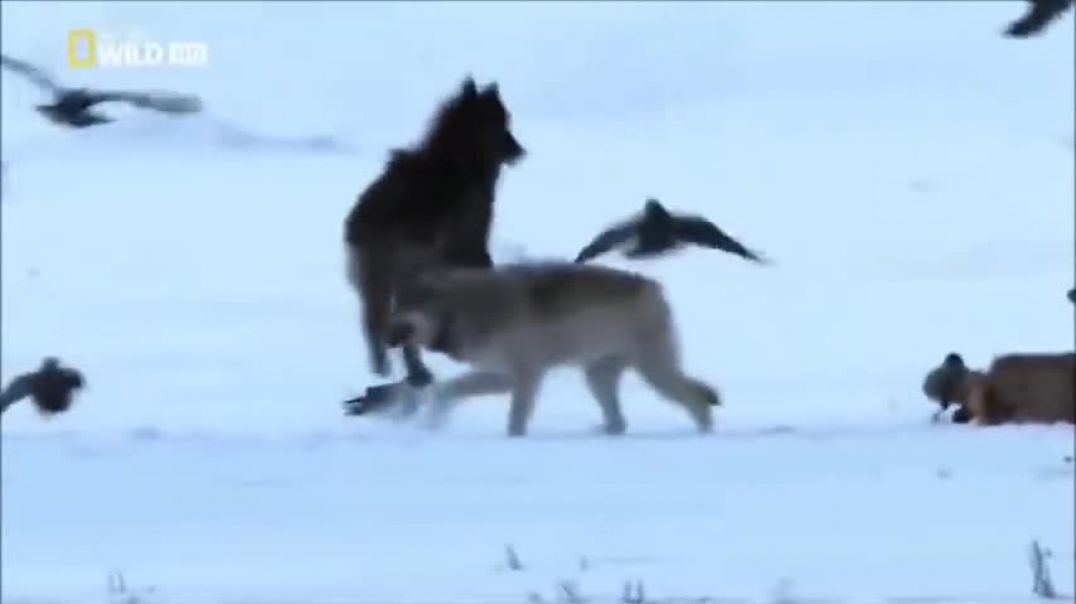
(513, 151)
(399, 334)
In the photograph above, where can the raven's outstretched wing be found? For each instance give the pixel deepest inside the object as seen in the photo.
(692, 229)
(18, 389)
(1038, 16)
(168, 102)
(607, 240)
(34, 74)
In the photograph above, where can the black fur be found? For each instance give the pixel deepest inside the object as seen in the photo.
(437, 196)
(444, 187)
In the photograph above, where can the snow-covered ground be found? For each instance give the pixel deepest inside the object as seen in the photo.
(909, 170)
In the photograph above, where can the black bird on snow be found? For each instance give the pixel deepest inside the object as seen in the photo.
(72, 106)
(51, 388)
(656, 231)
(1040, 14)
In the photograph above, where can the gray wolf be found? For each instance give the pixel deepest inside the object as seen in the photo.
(431, 207)
(514, 323)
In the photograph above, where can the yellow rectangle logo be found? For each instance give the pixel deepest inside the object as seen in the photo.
(87, 48)
(73, 38)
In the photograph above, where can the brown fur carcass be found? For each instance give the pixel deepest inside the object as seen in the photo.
(1017, 388)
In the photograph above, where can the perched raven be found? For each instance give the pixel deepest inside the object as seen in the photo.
(1040, 14)
(72, 106)
(50, 387)
(656, 231)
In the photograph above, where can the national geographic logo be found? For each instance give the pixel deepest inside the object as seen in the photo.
(85, 48)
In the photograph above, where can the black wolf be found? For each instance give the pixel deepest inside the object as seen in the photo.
(431, 207)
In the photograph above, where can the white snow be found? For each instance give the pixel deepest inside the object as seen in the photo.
(909, 170)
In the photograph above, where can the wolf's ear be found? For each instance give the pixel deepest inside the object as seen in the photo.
(469, 90)
(492, 91)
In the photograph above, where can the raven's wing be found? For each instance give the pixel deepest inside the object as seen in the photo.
(692, 229)
(167, 102)
(607, 240)
(18, 389)
(1038, 16)
(34, 74)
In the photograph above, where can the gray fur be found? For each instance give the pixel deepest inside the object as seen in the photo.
(515, 323)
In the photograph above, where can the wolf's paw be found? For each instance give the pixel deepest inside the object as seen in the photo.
(612, 429)
(420, 378)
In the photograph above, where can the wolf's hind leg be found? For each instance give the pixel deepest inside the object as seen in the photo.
(659, 365)
(603, 379)
(371, 278)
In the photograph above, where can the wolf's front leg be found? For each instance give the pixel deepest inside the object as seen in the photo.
(449, 393)
(603, 378)
(524, 391)
(418, 375)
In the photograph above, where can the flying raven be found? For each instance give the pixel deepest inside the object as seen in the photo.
(657, 231)
(73, 106)
(50, 387)
(1040, 14)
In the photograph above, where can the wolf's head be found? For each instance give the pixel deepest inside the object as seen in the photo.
(475, 126)
(945, 384)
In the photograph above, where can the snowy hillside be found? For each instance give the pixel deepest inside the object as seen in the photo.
(909, 170)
